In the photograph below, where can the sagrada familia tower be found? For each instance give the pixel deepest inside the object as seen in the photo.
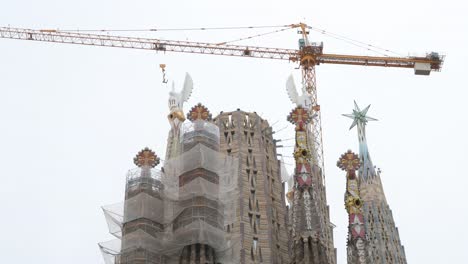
(220, 195)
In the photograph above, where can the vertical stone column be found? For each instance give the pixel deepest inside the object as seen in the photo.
(384, 241)
(310, 244)
(357, 243)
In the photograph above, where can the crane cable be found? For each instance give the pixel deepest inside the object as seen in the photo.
(254, 36)
(169, 29)
(355, 42)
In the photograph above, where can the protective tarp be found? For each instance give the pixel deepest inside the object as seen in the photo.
(285, 175)
(190, 130)
(114, 218)
(110, 249)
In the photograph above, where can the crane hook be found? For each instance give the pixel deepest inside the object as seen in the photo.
(163, 68)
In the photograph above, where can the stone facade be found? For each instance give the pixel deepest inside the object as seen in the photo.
(220, 199)
(261, 217)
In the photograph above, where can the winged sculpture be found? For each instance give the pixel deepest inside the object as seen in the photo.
(177, 99)
(176, 103)
(303, 100)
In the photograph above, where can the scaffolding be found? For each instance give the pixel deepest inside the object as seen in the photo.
(182, 210)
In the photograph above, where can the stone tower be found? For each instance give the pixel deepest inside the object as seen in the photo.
(382, 234)
(311, 233)
(220, 199)
(143, 185)
(199, 133)
(261, 215)
(358, 246)
(182, 213)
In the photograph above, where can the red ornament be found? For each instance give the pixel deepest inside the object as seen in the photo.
(300, 117)
(302, 168)
(304, 179)
(356, 222)
(199, 112)
(349, 161)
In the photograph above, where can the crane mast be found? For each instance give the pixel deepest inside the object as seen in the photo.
(308, 56)
(307, 59)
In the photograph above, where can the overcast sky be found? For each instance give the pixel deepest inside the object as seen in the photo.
(73, 117)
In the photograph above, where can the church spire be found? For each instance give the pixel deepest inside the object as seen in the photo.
(311, 229)
(381, 232)
(360, 119)
(357, 246)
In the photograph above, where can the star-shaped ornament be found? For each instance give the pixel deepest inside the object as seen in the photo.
(359, 116)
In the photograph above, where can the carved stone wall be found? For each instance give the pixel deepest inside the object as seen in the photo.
(261, 217)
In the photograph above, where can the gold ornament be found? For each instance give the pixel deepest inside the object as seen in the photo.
(302, 155)
(353, 204)
(177, 114)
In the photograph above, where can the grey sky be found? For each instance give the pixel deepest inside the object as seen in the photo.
(73, 117)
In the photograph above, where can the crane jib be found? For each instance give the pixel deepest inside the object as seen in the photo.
(312, 54)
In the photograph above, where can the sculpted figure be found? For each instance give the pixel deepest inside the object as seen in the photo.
(176, 102)
(304, 100)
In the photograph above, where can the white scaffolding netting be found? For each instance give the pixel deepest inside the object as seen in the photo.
(191, 130)
(114, 218)
(192, 200)
(285, 175)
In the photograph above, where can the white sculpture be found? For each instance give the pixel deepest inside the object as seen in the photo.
(177, 99)
(176, 103)
(303, 100)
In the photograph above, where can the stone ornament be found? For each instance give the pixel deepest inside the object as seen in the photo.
(300, 117)
(349, 161)
(146, 158)
(199, 112)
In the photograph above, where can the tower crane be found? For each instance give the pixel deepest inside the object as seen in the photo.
(309, 55)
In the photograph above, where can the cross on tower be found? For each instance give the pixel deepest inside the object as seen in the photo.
(146, 158)
(349, 161)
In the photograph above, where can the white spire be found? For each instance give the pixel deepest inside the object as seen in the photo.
(360, 120)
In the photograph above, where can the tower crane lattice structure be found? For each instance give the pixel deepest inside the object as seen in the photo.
(308, 56)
